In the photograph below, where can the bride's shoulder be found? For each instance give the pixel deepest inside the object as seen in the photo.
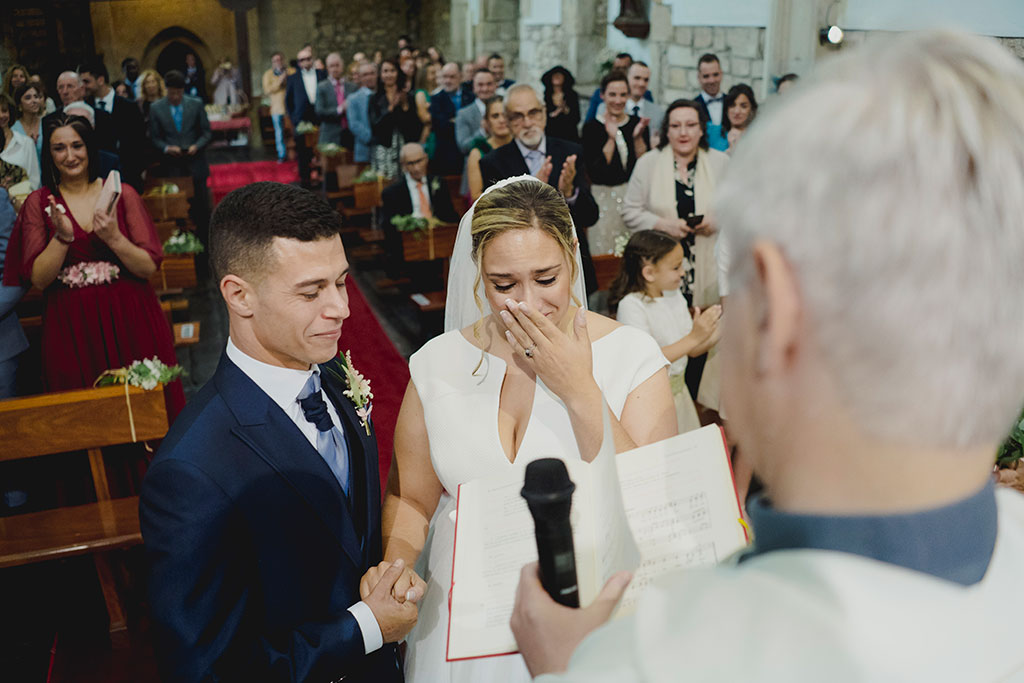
(600, 326)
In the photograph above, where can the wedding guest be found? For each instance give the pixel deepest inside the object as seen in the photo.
(18, 149)
(126, 132)
(466, 88)
(562, 103)
(130, 73)
(496, 134)
(515, 319)
(467, 121)
(435, 56)
(786, 82)
(29, 101)
(639, 104)
(332, 100)
(91, 322)
(195, 78)
(424, 84)
(496, 65)
(622, 62)
(393, 119)
(274, 81)
(740, 110)
(359, 112)
(444, 105)
(881, 549)
(300, 102)
(151, 89)
(612, 142)
(120, 89)
(227, 85)
(13, 342)
(710, 99)
(15, 77)
(37, 81)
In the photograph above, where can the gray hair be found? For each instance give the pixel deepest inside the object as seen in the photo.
(520, 87)
(894, 184)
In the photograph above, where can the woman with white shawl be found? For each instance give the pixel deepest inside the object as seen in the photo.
(523, 371)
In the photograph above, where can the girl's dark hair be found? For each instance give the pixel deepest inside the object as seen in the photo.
(644, 248)
(399, 79)
(685, 104)
(612, 77)
(730, 99)
(81, 125)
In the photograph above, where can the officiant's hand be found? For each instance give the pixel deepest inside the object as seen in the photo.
(563, 361)
(408, 587)
(547, 633)
(395, 618)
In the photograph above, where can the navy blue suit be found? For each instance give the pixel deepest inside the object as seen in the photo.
(255, 551)
(448, 159)
(300, 108)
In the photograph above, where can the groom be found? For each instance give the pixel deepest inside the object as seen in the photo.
(261, 511)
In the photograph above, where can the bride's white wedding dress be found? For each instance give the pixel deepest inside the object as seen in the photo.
(460, 410)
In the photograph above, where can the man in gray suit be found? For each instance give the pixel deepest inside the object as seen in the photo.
(332, 100)
(179, 129)
(467, 121)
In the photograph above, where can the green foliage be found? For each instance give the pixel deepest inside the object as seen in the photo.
(183, 242)
(1012, 449)
(368, 176)
(146, 373)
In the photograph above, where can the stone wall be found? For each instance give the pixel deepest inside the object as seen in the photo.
(739, 49)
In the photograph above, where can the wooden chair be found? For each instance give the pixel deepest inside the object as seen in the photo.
(606, 267)
(66, 422)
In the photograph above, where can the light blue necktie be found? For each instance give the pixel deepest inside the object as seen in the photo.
(330, 440)
(176, 113)
(534, 160)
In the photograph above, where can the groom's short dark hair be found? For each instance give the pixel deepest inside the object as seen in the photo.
(245, 223)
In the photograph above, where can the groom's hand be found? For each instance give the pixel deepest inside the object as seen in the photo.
(408, 587)
(395, 618)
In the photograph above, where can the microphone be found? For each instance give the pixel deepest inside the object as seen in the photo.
(548, 492)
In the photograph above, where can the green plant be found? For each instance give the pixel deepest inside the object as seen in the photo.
(368, 176)
(183, 242)
(1012, 449)
(410, 223)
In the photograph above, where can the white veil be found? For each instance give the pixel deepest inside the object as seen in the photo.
(460, 308)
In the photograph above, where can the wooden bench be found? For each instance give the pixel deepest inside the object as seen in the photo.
(606, 268)
(66, 422)
(435, 244)
(175, 273)
(184, 183)
(167, 207)
(366, 197)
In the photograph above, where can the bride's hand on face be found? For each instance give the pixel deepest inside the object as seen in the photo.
(562, 361)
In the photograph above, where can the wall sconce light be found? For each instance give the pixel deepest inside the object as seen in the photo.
(831, 35)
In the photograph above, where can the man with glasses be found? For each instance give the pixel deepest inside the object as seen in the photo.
(414, 194)
(550, 159)
(300, 101)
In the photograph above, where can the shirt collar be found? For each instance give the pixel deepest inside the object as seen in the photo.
(412, 183)
(480, 105)
(308, 73)
(953, 542)
(282, 385)
(542, 147)
(709, 99)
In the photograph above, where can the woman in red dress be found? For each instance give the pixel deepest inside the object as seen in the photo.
(91, 328)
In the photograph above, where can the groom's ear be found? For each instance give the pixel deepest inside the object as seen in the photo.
(239, 295)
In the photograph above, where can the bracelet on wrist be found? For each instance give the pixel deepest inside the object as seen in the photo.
(62, 240)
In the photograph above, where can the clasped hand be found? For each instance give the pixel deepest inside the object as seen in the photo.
(566, 179)
(391, 591)
(563, 361)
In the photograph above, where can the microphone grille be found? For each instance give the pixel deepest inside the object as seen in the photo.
(547, 475)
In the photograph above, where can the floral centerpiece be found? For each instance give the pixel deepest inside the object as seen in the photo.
(183, 242)
(146, 374)
(414, 224)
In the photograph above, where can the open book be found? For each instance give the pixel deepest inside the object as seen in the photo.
(657, 508)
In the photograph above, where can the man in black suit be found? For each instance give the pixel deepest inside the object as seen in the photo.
(445, 103)
(260, 513)
(300, 101)
(123, 132)
(180, 131)
(552, 160)
(417, 194)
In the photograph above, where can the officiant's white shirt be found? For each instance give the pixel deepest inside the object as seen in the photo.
(283, 386)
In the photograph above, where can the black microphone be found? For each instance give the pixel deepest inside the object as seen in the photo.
(548, 491)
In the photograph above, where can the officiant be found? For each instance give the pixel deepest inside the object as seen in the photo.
(870, 392)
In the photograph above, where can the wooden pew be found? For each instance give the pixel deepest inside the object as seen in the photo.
(176, 272)
(66, 422)
(432, 245)
(366, 197)
(184, 183)
(606, 267)
(167, 207)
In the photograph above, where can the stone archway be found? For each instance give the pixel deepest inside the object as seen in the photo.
(167, 49)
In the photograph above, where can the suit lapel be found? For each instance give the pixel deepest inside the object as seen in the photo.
(271, 434)
(515, 158)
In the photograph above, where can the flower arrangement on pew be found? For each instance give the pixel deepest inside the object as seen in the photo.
(146, 374)
(305, 127)
(368, 176)
(330, 149)
(1010, 459)
(414, 224)
(163, 188)
(183, 242)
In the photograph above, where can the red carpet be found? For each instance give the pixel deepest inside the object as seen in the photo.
(376, 357)
(227, 177)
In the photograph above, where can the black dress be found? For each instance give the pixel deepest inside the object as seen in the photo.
(614, 172)
(564, 126)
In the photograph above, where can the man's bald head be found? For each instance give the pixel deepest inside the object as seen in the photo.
(414, 160)
(69, 87)
(449, 77)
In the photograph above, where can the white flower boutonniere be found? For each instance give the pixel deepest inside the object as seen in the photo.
(358, 387)
(435, 185)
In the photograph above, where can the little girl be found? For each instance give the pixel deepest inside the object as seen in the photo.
(646, 294)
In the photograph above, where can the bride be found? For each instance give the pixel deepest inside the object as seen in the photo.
(522, 372)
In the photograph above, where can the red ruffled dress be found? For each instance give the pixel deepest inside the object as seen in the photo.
(87, 330)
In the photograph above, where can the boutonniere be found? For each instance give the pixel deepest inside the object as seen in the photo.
(358, 386)
(435, 185)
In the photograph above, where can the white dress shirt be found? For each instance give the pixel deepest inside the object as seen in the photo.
(417, 210)
(107, 100)
(714, 106)
(309, 80)
(283, 386)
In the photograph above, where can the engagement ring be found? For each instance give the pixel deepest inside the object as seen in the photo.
(529, 352)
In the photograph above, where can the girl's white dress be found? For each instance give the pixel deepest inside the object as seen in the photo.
(668, 320)
(460, 410)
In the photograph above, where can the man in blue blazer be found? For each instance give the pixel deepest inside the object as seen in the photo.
(261, 511)
(300, 102)
(359, 112)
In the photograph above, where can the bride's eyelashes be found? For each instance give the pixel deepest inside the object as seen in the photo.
(504, 288)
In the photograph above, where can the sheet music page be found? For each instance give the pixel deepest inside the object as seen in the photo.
(681, 504)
